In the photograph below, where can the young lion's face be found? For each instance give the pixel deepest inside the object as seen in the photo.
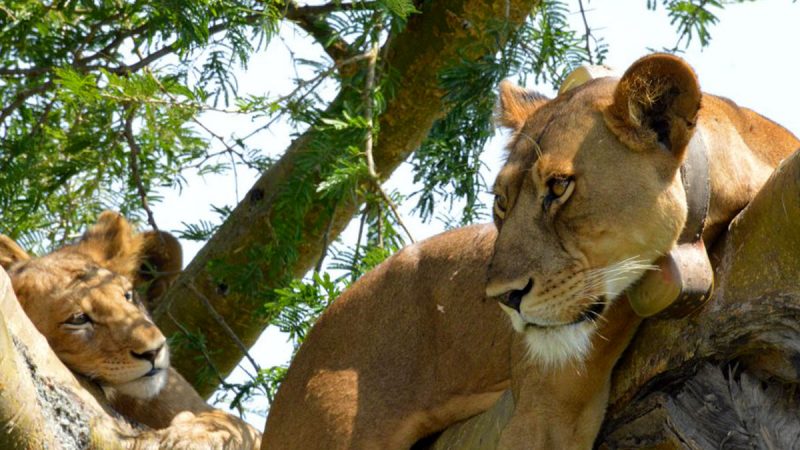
(94, 322)
(79, 298)
(590, 196)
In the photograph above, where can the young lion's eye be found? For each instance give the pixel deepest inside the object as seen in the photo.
(129, 296)
(78, 319)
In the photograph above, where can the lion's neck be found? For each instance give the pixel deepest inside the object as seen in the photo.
(744, 148)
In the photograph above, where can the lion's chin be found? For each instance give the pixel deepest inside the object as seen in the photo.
(142, 388)
(554, 347)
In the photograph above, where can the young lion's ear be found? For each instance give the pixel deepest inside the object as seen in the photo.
(10, 252)
(516, 104)
(161, 263)
(112, 244)
(655, 104)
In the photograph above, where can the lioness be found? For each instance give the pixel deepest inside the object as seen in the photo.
(82, 298)
(589, 199)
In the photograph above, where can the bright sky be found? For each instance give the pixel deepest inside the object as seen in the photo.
(752, 59)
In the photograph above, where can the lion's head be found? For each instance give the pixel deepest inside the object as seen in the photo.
(589, 198)
(82, 299)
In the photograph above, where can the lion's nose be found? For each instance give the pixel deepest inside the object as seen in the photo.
(149, 355)
(514, 298)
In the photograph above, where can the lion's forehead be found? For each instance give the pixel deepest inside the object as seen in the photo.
(563, 132)
(64, 280)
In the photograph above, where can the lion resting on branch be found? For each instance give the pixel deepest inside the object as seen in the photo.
(606, 190)
(83, 300)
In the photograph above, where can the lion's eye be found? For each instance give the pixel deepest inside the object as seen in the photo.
(558, 190)
(500, 205)
(129, 296)
(78, 320)
(558, 186)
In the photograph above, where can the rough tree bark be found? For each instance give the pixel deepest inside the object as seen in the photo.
(439, 37)
(725, 377)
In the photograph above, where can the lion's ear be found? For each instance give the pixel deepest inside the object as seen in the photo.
(10, 252)
(655, 104)
(161, 263)
(516, 104)
(112, 244)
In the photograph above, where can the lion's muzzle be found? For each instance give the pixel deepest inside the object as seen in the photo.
(514, 298)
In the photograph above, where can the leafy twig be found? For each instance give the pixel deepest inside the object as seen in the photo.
(588, 33)
(221, 321)
(369, 113)
(325, 238)
(393, 207)
(318, 10)
(356, 251)
(201, 346)
(22, 97)
(133, 160)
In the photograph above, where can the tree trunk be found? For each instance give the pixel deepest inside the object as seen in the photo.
(725, 377)
(247, 243)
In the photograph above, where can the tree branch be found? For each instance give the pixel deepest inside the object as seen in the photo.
(29, 72)
(83, 64)
(319, 10)
(115, 43)
(21, 98)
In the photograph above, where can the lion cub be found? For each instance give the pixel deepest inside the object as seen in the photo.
(83, 299)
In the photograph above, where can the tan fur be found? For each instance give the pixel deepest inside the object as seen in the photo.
(621, 143)
(117, 349)
(162, 257)
(410, 348)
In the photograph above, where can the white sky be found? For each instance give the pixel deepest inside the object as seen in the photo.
(752, 59)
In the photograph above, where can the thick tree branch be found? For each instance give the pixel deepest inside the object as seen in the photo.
(432, 41)
(20, 419)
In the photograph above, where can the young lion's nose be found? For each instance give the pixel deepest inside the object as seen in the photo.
(149, 355)
(514, 298)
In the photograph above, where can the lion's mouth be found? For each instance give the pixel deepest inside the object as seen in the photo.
(594, 311)
(153, 372)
